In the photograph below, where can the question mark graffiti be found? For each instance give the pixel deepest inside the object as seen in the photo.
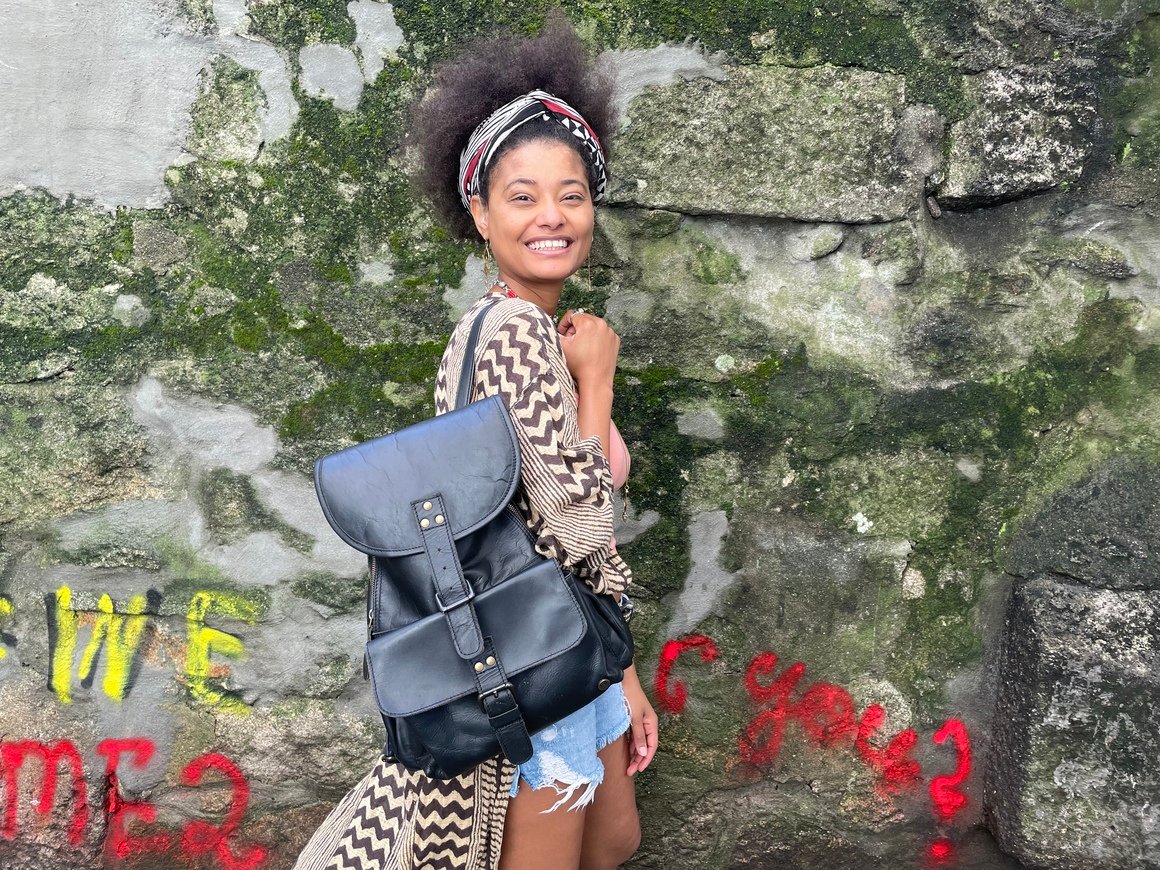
(946, 795)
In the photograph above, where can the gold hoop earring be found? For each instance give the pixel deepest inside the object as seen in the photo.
(487, 282)
(589, 269)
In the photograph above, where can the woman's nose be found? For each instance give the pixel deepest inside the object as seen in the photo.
(550, 214)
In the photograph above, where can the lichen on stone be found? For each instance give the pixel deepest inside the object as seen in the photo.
(225, 120)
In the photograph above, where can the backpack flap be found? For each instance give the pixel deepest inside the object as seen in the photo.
(416, 667)
(469, 457)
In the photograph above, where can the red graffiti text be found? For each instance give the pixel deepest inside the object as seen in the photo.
(198, 838)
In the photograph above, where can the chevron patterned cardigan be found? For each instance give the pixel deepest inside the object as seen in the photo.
(398, 819)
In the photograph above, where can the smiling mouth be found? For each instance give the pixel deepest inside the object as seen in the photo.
(546, 245)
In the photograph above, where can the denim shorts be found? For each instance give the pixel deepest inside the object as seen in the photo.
(564, 755)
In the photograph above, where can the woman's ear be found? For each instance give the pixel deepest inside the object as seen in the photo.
(479, 213)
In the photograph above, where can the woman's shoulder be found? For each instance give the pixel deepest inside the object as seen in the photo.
(507, 321)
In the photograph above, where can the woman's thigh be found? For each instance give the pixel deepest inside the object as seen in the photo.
(534, 839)
(611, 823)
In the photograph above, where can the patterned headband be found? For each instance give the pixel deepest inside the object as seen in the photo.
(488, 136)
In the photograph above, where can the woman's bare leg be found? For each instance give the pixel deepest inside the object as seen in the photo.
(611, 823)
(533, 839)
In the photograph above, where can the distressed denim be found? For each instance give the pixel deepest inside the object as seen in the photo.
(564, 755)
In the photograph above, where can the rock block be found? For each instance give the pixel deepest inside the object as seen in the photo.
(1073, 781)
(1100, 532)
(1029, 132)
(820, 144)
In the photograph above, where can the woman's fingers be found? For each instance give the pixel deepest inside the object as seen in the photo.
(639, 745)
(643, 735)
(652, 733)
(566, 326)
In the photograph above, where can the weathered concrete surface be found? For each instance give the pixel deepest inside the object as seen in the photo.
(126, 77)
(123, 79)
(637, 69)
(825, 144)
(331, 72)
(378, 34)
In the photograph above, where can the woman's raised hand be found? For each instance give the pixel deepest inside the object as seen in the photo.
(590, 348)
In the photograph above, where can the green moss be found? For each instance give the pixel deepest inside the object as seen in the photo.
(903, 493)
(713, 265)
(233, 510)
(225, 114)
(1090, 255)
(645, 415)
(940, 637)
(295, 23)
(659, 557)
(1136, 106)
(339, 593)
(754, 383)
(199, 14)
(801, 32)
(818, 410)
(355, 406)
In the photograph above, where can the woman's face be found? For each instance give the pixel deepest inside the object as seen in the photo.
(539, 214)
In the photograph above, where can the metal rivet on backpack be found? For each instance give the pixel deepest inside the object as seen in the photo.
(604, 684)
(439, 519)
(426, 505)
(478, 667)
(490, 661)
(424, 522)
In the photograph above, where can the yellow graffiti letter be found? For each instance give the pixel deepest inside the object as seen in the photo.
(203, 640)
(119, 633)
(5, 610)
(62, 638)
(122, 634)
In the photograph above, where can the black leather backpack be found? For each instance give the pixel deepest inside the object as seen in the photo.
(475, 640)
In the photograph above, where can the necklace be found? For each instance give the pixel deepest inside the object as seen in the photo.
(507, 291)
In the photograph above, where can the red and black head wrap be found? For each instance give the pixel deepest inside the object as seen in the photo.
(488, 136)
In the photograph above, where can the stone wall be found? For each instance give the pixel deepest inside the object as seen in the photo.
(886, 273)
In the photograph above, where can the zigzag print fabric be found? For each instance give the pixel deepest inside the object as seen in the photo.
(565, 491)
(398, 819)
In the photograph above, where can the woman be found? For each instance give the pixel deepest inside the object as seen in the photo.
(510, 144)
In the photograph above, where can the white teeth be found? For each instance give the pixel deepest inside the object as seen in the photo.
(547, 244)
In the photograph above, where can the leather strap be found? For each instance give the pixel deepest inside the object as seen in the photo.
(498, 702)
(467, 373)
(454, 595)
(452, 591)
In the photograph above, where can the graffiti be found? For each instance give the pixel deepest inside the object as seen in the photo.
(944, 789)
(12, 756)
(673, 699)
(5, 638)
(202, 641)
(203, 838)
(118, 810)
(893, 763)
(197, 839)
(825, 714)
(117, 635)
